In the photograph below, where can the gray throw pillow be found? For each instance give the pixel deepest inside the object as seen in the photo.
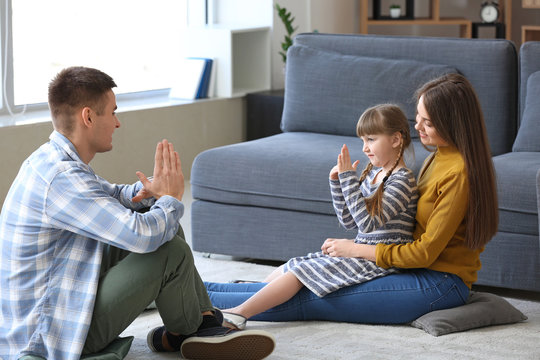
(326, 92)
(482, 309)
(527, 137)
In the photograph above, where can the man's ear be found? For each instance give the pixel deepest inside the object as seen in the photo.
(86, 114)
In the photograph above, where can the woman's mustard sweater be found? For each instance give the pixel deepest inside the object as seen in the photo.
(440, 222)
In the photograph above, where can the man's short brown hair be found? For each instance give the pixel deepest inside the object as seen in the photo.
(74, 88)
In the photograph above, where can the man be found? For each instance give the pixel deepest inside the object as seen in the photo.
(81, 258)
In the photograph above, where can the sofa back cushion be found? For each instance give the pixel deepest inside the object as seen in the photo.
(529, 53)
(489, 64)
(326, 92)
(529, 129)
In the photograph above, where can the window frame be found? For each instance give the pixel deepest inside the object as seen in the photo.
(10, 114)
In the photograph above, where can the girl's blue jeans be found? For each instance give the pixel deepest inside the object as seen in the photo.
(393, 299)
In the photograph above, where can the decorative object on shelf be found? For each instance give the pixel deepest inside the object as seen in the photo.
(395, 11)
(241, 56)
(489, 11)
(408, 15)
(195, 79)
(500, 29)
(370, 21)
(287, 21)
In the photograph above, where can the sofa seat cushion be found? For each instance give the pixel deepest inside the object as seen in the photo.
(527, 137)
(284, 171)
(326, 92)
(516, 187)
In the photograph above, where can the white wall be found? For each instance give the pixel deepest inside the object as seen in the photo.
(241, 12)
(325, 16)
(191, 128)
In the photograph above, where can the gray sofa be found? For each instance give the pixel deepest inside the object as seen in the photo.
(269, 198)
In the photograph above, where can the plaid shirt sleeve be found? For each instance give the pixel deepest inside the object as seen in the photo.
(87, 205)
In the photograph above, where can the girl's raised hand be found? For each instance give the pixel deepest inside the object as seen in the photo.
(344, 161)
(334, 173)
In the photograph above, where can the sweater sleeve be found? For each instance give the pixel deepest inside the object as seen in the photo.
(449, 211)
(398, 193)
(340, 207)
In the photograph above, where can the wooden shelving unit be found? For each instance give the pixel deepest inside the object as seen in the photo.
(530, 33)
(435, 18)
(242, 56)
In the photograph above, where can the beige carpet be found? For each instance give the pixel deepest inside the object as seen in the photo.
(327, 340)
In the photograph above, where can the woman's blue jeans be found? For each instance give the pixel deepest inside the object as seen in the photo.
(393, 299)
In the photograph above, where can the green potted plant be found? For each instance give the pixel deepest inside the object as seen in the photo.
(395, 11)
(287, 19)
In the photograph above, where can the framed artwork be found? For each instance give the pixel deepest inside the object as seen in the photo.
(531, 4)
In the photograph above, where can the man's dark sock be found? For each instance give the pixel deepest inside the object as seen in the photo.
(209, 321)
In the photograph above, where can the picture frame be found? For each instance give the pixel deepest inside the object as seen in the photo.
(530, 4)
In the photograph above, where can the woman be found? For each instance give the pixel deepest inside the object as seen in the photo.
(451, 229)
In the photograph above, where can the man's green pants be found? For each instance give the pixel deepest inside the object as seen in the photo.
(129, 282)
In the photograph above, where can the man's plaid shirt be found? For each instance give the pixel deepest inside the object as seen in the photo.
(56, 219)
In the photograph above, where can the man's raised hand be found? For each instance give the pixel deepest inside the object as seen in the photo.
(168, 178)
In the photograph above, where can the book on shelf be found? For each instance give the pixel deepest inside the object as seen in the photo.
(194, 79)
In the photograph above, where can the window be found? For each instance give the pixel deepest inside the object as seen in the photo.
(137, 42)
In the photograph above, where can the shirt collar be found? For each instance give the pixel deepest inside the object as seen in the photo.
(64, 143)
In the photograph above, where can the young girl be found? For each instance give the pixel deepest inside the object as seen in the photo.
(381, 204)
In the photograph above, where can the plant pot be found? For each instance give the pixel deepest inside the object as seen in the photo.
(395, 13)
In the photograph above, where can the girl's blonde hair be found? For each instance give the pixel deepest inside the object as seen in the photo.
(382, 119)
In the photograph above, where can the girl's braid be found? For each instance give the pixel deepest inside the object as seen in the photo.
(366, 171)
(374, 203)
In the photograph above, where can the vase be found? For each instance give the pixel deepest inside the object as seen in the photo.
(395, 13)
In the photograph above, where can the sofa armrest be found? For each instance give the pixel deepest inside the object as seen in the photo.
(538, 199)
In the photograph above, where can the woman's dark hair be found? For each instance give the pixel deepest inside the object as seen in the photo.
(455, 112)
(74, 88)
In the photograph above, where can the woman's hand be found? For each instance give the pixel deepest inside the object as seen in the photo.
(168, 177)
(348, 248)
(344, 161)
